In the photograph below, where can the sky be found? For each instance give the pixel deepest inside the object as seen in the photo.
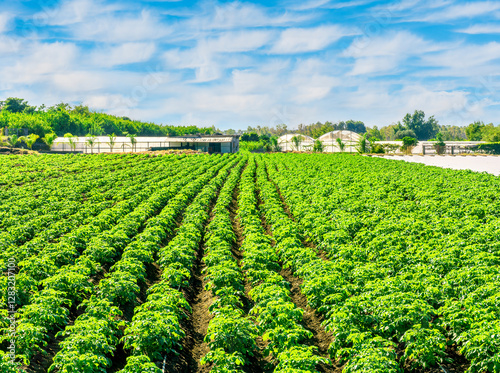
(235, 64)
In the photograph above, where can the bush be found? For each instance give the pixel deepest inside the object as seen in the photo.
(488, 148)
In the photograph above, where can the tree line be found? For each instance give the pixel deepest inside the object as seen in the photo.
(17, 115)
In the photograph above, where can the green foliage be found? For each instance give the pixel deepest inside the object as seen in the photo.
(362, 145)
(489, 148)
(231, 332)
(13, 140)
(14, 105)
(408, 144)
(424, 346)
(296, 141)
(29, 140)
(79, 120)
(318, 146)
(49, 139)
(423, 129)
(250, 137)
(223, 362)
(139, 364)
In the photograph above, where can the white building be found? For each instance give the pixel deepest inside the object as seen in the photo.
(123, 144)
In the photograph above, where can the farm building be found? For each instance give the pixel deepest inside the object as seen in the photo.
(348, 138)
(288, 142)
(122, 144)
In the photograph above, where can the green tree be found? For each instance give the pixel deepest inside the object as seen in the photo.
(49, 139)
(14, 105)
(12, 141)
(473, 131)
(400, 134)
(29, 140)
(318, 146)
(362, 145)
(112, 141)
(296, 141)
(274, 144)
(490, 133)
(372, 133)
(423, 129)
(72, 140)
(91, 141)
(408, 144)
(133, 141)
(440, 145)
(250, 136)
(340, 144)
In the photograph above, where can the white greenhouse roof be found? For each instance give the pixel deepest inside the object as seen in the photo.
(340, 134)
(288, 138)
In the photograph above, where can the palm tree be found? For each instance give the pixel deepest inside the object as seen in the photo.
(133, 140)
(12, 140)
(49, 139)
(362, 145)
(112, 141)
(318, 146)
(29, 140)
(274, 144)
(297, 140)
(91, 140)
(72, 141)
(340, 144)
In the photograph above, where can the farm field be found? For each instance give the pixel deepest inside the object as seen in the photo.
(247, 263)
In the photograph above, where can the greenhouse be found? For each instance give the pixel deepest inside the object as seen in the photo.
(340, 140)
(295, 142)
(121, 144)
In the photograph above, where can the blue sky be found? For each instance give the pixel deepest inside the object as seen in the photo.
(233, 64)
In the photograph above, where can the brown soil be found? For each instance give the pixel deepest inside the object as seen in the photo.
(311, 321)
(5, 150)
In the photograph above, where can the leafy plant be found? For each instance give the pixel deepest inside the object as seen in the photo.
(340, 144)
(318, 146)
(91, 141)
(49, 139)
(72, 140)
(29, 140)
(112, 142)
(296, 141)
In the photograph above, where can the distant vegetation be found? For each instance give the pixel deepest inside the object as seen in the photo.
(79, 120)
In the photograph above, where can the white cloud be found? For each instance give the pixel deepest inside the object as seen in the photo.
(464, 57)
(116, 29)
(123, 54)
(5, 19)
(386, 53)
(300, 40)
(237, 15)
(212, 55)
(241, 41)
(70, 12)
(42, 60)
(481, 29)
(467, 10)
(391, 44)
